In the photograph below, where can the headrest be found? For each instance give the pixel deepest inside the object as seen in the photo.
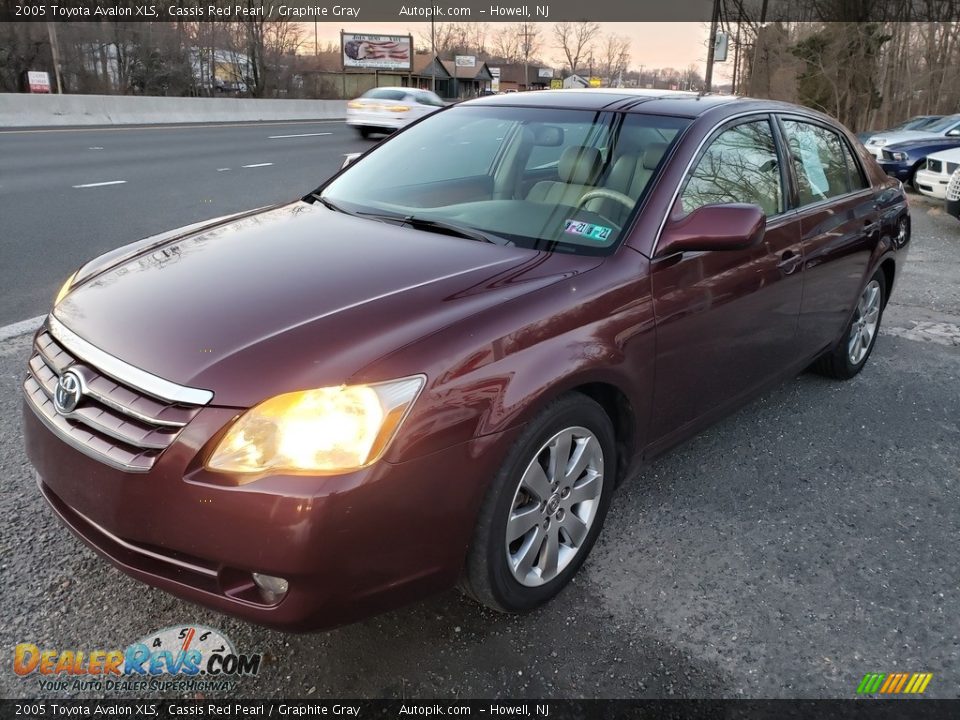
(652, 155)
(579, 165)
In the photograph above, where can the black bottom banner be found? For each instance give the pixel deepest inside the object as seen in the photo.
(487, 709)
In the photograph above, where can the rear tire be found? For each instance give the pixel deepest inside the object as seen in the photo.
(364, 131)
(851, 353)
(550, 496)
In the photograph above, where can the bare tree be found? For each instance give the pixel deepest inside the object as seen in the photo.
(614, 56)
(575, 40)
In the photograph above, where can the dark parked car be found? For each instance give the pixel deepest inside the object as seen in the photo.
(902, 160)
(437, 367)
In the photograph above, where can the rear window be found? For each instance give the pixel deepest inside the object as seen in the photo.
(385, 94)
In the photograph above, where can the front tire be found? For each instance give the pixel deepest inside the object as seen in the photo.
(545, 507)
(852, 352)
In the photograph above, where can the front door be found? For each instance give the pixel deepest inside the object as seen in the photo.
(727, 320)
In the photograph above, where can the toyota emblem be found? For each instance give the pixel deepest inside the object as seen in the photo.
(68, 392)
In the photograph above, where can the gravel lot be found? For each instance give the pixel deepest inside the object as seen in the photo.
(799, 544)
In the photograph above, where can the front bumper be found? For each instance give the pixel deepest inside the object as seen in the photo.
(350, 545)
(932, 184)
(894, 168)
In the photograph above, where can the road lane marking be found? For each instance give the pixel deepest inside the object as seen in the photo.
(222, 169)
(201, 126)
(101, 184)
(257, 165)
(280, 137)
(20, 328)
(95, 147)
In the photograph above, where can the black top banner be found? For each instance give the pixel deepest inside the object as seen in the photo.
(510, 11)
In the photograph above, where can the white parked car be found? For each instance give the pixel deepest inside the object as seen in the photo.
(932, 179)
(385, 109)
(948, 126)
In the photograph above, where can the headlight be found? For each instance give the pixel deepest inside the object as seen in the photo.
(64, 289)
(323, 431)
(877, 141)
(898, 156)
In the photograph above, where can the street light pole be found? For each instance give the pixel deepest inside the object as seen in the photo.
(714, 19)
(433, 53)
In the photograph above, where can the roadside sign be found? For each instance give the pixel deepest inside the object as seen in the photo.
(39, 81)
(465, 60)
(720, 47)
(595, 82)
(545, 72)
(556, 84)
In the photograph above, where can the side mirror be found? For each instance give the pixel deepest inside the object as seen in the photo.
(953, 133)
(714, 227)
(349, 158)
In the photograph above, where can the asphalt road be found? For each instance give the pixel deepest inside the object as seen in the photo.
(172, 176)
(801, 543)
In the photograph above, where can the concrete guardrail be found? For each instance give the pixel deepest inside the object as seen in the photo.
(26, 110)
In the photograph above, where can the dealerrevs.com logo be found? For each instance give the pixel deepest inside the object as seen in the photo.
(184, 657)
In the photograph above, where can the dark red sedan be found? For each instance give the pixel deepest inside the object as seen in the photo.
(438, 366)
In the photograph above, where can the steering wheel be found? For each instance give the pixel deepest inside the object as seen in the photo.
(606, 195)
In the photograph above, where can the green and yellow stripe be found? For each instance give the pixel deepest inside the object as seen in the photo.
(894, 683)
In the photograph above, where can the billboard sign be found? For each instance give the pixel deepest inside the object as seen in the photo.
(465, 61)
(596, 82)
(545, 72)
(556, 84)
(39, 81)
(376, 52)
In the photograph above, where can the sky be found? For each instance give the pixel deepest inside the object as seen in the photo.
(661, 44)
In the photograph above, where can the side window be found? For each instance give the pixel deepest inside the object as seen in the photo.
(739, 166)
(854, 171)
(819, 161)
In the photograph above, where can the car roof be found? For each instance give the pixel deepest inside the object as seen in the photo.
(653, 102)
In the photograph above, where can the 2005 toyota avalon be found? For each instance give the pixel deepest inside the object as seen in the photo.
(435, 369)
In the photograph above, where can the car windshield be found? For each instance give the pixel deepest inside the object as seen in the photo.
(943, 123)
(542, 178)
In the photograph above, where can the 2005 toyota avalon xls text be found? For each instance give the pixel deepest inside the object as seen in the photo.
(435, 369)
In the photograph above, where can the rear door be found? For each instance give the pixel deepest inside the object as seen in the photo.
(727, 320)
(839, 226)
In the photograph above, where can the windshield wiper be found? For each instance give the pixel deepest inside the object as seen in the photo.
(330, 204)
(453, 229)
(419, 223)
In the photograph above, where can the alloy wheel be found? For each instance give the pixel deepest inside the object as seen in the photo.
(865, 323)
(554, 506)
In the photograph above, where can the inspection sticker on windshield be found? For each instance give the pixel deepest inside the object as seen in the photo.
(588, 230)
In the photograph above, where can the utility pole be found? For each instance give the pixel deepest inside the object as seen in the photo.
(714, 19)
(55, 52)
(433, 52)
(316, 43)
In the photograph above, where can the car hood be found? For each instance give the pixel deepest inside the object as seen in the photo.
(293, 297)
(950, 155)
(923, 143)
(902, 136)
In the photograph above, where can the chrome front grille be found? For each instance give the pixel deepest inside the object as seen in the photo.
(115, 422)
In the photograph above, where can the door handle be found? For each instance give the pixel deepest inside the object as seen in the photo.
(789, 262)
